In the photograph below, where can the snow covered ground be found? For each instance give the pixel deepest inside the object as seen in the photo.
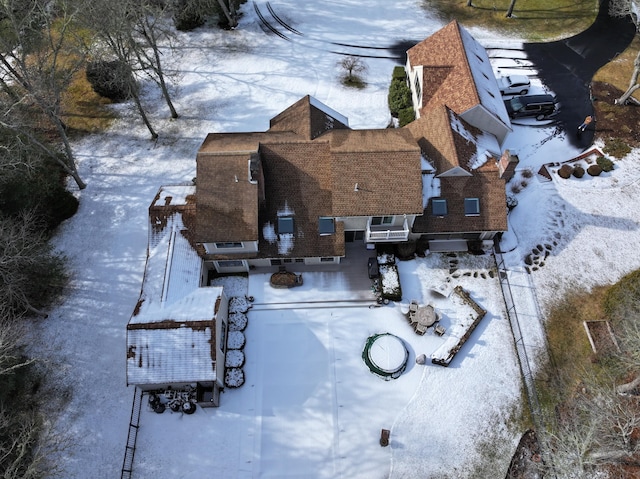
(310, 408)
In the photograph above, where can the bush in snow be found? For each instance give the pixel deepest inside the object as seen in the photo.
(512, 202)
(234, 359)
(406, 250)
(578, 172)
(391, 289)
(605, 163)
(189, 14)
(110, 79)
(565, 171)
(527, 173)
(386, 258)
(235, 340)
(406, 116)
(239, 304)
(234, 377)
(594, 170)
(238, 322)
(399, 96)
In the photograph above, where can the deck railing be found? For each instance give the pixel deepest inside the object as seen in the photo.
(380, 233)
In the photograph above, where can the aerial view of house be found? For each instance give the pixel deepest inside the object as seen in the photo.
(320, 240)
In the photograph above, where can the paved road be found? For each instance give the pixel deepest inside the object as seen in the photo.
(567, 67)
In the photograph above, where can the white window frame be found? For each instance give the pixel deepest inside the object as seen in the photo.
(230, 263)
(229, 245)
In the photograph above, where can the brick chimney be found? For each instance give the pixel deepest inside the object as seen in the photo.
(507, 165)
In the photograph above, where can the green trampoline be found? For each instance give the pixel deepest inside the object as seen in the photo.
(385, 355)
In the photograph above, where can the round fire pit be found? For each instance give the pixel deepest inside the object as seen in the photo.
(385, 355)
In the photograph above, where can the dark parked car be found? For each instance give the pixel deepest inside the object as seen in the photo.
(539, 106)
(374, 270)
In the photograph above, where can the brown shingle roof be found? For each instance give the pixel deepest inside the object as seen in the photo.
(442, 143)
(447, 78)
(308, 118)
(447, 149)
(226, 209)
(385, 164)
(485, 185)
(298, 181)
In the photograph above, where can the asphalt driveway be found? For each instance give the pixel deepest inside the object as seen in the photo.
(567, 66)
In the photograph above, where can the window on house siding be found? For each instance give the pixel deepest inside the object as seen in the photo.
(285, 224)
(471, 207)
(326, 226)
(381, 220)
(230, 264)
(223, 336)
(439, 207)
(276, 262)
(228, 244)
(326, 260)
(418, 89)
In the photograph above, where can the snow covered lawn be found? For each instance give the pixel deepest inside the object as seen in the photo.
(311, 408)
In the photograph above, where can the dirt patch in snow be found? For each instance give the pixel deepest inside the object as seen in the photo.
(526, 462)
(615, 121)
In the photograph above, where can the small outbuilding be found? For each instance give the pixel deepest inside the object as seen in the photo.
(176, 336)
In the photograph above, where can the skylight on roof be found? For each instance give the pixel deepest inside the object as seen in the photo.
(439, 207)
(326, 226)
(471, 207)
(285, 225)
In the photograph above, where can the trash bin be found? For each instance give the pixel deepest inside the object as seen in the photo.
(374, 271)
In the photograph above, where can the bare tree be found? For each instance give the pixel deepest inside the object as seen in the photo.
(36, 65)
(631, 8)
(353, 68)
(619, 420)
(114, 23)
(229, 10)
(150, 29)
(29, 447)
(25, 255)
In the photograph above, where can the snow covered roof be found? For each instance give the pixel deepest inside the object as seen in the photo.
(171, 334)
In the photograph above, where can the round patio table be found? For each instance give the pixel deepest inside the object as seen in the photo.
(426, 316)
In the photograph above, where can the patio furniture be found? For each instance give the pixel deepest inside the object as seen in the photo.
(439, 330)
(424, 317)
(413, 309)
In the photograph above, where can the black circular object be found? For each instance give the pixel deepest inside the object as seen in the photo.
(188, 407)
